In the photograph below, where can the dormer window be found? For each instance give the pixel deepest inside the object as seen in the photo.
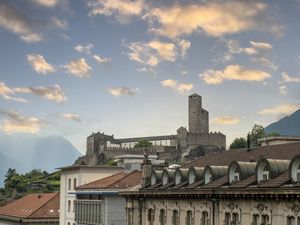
(192, 177)
(236, 177)
(265, 175)
(298, 173)
(177, 178)
(208, 178)
(153, 179)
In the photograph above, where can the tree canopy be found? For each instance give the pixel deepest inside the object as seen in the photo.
(238, 143)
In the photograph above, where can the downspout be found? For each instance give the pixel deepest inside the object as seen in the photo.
(141, 211)
(213, 200)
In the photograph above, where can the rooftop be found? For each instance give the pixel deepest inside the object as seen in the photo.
(33, 206)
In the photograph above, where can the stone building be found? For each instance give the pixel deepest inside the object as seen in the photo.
(32, 209)
(191, 143)
(258, 186)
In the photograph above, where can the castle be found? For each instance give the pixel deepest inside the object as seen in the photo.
(186, 144)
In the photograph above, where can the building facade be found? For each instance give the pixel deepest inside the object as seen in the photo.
(185, 144)
(99, 202)
(73, 176)
(257, 186)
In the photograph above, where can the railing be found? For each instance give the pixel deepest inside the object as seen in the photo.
(88, 212)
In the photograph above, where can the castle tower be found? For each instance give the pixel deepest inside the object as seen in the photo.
(198, 117)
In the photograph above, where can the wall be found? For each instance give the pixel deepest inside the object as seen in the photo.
(83, 175)
(115, 212)
(277, 211)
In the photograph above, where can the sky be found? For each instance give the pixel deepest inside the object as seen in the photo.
(126, 67)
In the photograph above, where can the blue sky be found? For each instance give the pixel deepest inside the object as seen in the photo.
(126, 67)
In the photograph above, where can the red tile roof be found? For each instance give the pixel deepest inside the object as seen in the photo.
(45, 205)
(282, 151)
(118, 181)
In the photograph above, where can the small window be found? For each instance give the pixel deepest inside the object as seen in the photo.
(264, 220)
(162, 217)
(227, 219)
(291, 220)
(255, 219)
(298, 176)
(189, 218)
(69, 184)
(151, 216)
(69, 205)
(204, 219)
(265, 176)
(75, 183)
(236, 177)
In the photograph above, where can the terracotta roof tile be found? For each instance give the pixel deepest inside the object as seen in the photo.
(283, 151)
(118, 181)
(33, 206)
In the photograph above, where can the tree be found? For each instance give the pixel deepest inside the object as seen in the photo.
(238, 143)
(256, 133)
(143, 144)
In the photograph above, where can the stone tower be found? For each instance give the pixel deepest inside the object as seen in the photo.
(198, 117)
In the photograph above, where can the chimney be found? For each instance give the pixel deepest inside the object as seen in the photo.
(146, 170)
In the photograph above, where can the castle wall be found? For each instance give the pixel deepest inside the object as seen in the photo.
(216, 139)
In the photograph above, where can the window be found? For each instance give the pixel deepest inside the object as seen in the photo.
(227, 219)
(204, 219)
(291, 220)
(189, 218)
(235, 219)
(255, 219)
(130, 216)
(74, 183)
(264, 219)
(69, 223)
(265, 175)
(162, 217)
(69, 184)
(175, 217)
(69, 205)
(151, 216)
(236, 177)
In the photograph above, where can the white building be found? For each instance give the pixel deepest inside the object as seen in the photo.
(77, 175)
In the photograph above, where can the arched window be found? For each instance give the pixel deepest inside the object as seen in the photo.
(162, 217)
(175, 217)
(227, 219)
(204, 218)
(189, 218)
(151, 216)
(291, 220)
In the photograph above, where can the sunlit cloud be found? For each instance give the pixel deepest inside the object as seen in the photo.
(289, 79)
(180, 87)
(154, 52)
(212, 18)
(283, 109)
(282, 90)
(71, 116)
(120, 91)
(102, 60)
(15, 122)
(225, 120)
(46, 3)
(84, 48)
(39, 64)
(7, 92)
(123, 10)
(233, 72)
(18, 23)
(52, 93)
(59, 23)
(79, 68)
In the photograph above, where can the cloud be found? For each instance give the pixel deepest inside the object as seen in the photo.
(52, 93)
(6, 92)
(226, 120)
(284, 109)
(18, 23)
(71, 116)
(180, 87)
(46, 3)
(282, 90)
(15, 122)
(288, 79)
(62, 24)
(84, 48)
(119, 91)
(39, 64)
(102, 60)
(212, 18)
(78, 68)
(123, 10)
(256, 47)
(184, 45)
(233, 72)
(152, 53)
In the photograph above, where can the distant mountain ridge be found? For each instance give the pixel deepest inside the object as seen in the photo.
(289, 125)
(25, 152)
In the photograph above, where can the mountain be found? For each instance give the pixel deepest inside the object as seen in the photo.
(289, 125)
(35, 152)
